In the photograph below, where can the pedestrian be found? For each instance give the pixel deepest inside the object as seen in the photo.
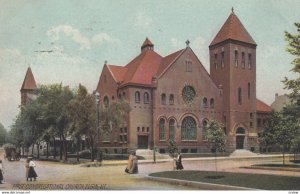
(179, 162)
(31, 171)
(1, 172)
(134, 169)
(129, 164)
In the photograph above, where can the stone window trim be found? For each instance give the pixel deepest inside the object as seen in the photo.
(249, 61)
(188, 129)
(236, 58)
(204, 102)
(146, 98)
(171, 99)
(243, 60)
(188, 94)
(162, 129)
(222, 59)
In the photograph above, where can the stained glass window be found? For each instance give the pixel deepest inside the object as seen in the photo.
(188, 94)
(172, 129)
(188, 129)
(161, 129)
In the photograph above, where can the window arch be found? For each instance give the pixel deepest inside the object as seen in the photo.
(146, 98)
(163, 98)
(188, 128)
(137, 97)
(205, 102)
(172, 129)
(171, 99)
(161, 129)
(212, 103)
(240, 130)
(204, 129)
(106, 101)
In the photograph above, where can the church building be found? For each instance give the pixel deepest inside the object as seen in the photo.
(174, 97)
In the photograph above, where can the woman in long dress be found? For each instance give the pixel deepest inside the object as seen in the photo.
(129, 164)
(179, 162)
(27, 168)
(134, 169)
(31, 172)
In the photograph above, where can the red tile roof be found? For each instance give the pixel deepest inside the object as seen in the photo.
(29, 82)
(233, 29)
(262, 107)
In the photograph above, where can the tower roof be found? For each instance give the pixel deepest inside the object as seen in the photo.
(146, 43)
(29, 82)
(233, 29)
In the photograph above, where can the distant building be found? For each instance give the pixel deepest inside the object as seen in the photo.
(280, 102)
(28, 89)
(174, 97)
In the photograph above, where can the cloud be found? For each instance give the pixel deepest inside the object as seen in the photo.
(71, 32)
(77, 37)
(142, 20)
(176, 43)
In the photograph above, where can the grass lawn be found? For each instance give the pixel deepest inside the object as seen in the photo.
(255, 181)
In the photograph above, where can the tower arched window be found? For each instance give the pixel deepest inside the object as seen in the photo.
(161, 129)
(236, 59)
(106, 101)
(249, 90)
(222, 59)
(172, 129)
(171, 99)
(243, 60)
(163, 98)
(205, 103)
(137, 97)
(249, 61)
(240, 96)
(146, 98)
(212, 103)
(216, 60)
(188, 128)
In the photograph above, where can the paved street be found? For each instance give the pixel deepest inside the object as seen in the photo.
(113, 177)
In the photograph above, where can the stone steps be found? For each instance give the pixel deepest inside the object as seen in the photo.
(242, 152)
(148, 154)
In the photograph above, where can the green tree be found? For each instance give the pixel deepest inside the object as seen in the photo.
(216, 138)
(280, 130)
(172, 147)
(83, 118)
(3, 135)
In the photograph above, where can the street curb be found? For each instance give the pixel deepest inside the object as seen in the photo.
(272, 168)
(198, 185)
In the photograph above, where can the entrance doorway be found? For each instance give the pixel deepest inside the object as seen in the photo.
(142, 141)
(240, 142)
(240, 138)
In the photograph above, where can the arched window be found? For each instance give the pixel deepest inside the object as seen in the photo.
(240, 96)
(171, 99)
(161, 129)
(212, 103)
(106, 101)
(163, 98)
(146, 98)
(137, 97)
(249, 61)
(119, 96)
(236, 59)
(171, 129)
(204, 129)
(188, 128)
(240, 130)
(205, 105)
(243, 60)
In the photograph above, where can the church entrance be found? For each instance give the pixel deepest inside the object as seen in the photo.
(240, 138)
(142, 141)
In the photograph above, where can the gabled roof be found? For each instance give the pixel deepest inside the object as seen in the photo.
(167, 61)
(262, 107)
(29, 82)
(118, 72)
(233, 29)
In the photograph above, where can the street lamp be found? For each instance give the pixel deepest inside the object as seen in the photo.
(97, 95)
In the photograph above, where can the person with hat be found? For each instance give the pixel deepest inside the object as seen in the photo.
(31, 172)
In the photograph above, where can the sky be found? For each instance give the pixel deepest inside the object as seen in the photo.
(81, 35)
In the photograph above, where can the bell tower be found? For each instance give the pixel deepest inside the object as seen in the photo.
(233, 66)
(28, 88)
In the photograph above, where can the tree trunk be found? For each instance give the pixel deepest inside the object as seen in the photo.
(38, 150)
(92, 150)
(32, 148)
(47, 151)
(61, 148)
(65, 148)
(54, 148)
